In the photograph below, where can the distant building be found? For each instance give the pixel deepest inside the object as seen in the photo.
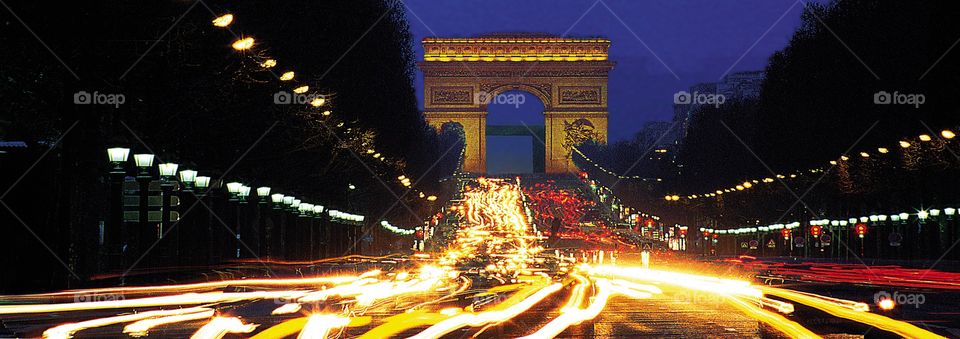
(734, 86)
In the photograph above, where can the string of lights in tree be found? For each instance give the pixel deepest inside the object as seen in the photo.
(612, 173)
(905, 145)
(319, 101)
(859, 224)
(633, 214)
(396, 230)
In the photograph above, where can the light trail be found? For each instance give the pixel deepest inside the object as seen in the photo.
(319, 326)
(478, 319)
(844, 311)
(206, 286)
(495, 251)
(221, 326)
(181, 299)
(142, 328)
(67, 331)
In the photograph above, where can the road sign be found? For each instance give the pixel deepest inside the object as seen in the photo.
(771, 244)
(743, 244)
(826, 239)
(754, 244)
(799, 242)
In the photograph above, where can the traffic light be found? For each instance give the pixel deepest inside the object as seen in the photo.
(683, 232)
(861, 229)
(786, 233)
(815, 231)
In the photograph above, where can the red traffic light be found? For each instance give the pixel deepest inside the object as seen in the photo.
(861, 229)
(815, 230)
(786, 233)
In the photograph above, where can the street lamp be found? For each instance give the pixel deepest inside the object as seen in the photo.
(143, 161)
(263, 193)
(114, 237)
(202, 182)
(234, 189)
(188, 178)
(277, 200)
(167, 170)
(304, 208)
(244, 193)
(118, 156)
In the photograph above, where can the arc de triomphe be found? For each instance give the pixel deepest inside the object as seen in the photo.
(568, 75)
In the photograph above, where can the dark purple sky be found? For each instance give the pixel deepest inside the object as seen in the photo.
(660, 47)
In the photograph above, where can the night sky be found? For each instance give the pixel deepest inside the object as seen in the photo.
(660, 47)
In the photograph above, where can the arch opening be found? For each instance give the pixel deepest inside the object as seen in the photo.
(514, 133)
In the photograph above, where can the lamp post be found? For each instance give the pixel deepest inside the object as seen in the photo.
(114, 236)
(167, 183)
(263, 234)
(277, 232)
(188, 179)
(202, 184)
(144, 163)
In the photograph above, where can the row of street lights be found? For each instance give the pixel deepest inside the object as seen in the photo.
(200, 186)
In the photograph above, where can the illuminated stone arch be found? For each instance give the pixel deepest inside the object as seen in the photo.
(568, 75)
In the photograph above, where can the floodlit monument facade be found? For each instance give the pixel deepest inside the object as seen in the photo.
(569, 75)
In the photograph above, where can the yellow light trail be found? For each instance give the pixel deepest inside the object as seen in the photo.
(494, 316)
(66, 331)
(142, 328)
(319, 326)
(180, 299)
(902, 328)
(221, 326)
(313, 281)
